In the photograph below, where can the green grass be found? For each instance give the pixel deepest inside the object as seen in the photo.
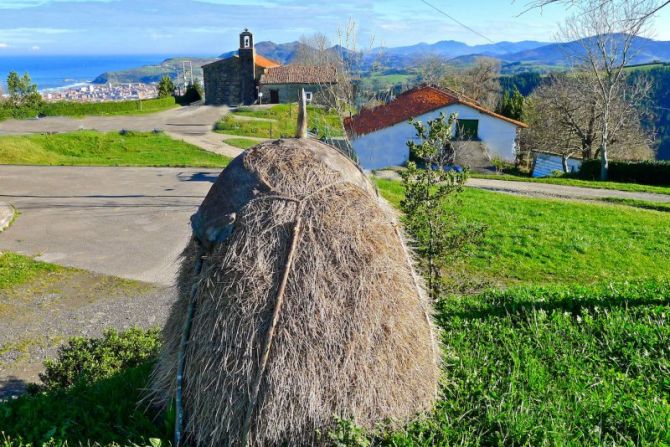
(532, 240)
(278, 121)
(88, 148)
(619, 186)
(79, 109)
(241, 143)
(552, 366)
(17, 269)
(644, 204)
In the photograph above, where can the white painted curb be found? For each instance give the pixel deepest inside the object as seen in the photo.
(6, 215)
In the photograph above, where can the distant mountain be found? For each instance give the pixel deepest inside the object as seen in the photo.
(645, 50)
(516, 57)
(452, 48)
(280, 52)
(147, 74)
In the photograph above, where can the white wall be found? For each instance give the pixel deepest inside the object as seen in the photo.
(387, 147)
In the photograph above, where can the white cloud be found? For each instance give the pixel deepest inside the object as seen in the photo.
(21, 4)
(35, 48)
(4, 45)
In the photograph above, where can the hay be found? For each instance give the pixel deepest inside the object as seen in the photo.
(352, 334)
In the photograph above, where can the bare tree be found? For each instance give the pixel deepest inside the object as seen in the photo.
(315, 49)
(433, 69)
(652, 7)
(480, 82)
(606, 32)
(565, 115)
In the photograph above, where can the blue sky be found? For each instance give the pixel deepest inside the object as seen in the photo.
(210, 27)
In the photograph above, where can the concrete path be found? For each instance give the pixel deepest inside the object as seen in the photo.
(128, 222)
(562, 191)
(192, 124)
(546, 189)
(181, 120)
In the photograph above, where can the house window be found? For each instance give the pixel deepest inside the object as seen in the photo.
(467, 129)
(308, 96)
(247, 41)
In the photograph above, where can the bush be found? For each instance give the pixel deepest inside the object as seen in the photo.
(643, 172)
(90, 395)
(84, 361)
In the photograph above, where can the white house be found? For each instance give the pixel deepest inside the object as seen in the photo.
(379, 136)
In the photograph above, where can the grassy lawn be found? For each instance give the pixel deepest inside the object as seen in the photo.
(550, 241)
(17, 269)
(241, 143)
(552, 366)
(79, 109)
(278, 121)
(88, 148)
(619, 186)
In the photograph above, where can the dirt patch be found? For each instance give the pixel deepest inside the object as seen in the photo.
(39, 316)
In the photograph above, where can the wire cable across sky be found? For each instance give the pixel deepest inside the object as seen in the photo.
(453, 19)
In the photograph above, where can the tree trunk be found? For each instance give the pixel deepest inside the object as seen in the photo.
(604, 162)
(564, 160)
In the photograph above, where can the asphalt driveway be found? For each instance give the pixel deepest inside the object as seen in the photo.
(127, 222)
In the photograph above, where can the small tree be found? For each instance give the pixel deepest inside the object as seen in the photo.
(23, 93)
(165, 87)
(511, 106)
(430, 211)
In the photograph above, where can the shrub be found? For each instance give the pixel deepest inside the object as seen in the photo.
(90, 395)
(84, 361)
(643, 172)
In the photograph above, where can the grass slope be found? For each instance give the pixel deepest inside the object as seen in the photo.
(88, 148)
(278, 121)
(241, 143)
(549, 241)
(619, 186)
(78, 109)
(17, 269)
(552, 366)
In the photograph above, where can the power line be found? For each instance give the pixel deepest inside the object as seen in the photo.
(457, 21)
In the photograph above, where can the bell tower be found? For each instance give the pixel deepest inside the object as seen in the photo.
(247, 68)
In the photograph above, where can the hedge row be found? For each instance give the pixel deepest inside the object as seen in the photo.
(643, 172)
(69, 108)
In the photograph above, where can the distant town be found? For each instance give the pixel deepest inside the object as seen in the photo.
(103, 92)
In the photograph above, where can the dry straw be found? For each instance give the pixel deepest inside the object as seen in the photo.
(307, 306)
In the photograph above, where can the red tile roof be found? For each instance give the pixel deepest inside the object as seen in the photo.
(411, 104)
(264, 62)
(300, 74)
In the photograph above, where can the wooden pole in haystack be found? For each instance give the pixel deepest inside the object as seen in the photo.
(301, 131)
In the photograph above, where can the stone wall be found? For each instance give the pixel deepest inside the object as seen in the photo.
(222, 82)
(291, 92)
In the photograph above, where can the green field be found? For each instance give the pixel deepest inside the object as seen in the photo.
(279, 121)
(88, 148)
(535, 241)
(241, 143)
(619, 186)
(79, 109)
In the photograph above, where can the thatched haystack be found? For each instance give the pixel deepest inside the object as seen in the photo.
(306, 306)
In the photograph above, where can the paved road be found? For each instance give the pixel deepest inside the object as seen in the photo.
(129, 222)
(562, 191)
(192, 124)
(547, 189)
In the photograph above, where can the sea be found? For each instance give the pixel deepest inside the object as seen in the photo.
(50, 72)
